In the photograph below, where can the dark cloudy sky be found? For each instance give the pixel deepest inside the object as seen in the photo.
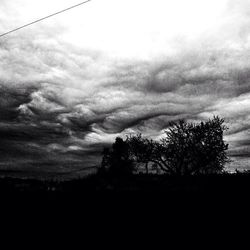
(71, 84)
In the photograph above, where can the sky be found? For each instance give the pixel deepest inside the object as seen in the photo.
(70, 84)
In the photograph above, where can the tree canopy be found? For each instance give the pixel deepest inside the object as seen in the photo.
(186, 149)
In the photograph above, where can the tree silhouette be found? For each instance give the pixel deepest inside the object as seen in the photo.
(147, 152)
(118, 161)
(186, 149)
(196, 148)
(140, 149)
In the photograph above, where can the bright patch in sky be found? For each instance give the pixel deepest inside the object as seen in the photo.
(131, 28)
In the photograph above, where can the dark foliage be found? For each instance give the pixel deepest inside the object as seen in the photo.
(196, 148)
(186, 149)
(118, 161)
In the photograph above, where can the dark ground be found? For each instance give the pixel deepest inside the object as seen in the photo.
(220, 183)
(222, 186)
(105, 205)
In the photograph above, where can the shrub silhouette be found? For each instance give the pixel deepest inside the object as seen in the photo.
(186, 149)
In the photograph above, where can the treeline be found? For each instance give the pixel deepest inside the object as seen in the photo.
(186, 149)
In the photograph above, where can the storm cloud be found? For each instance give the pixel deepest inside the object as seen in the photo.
(60, 104)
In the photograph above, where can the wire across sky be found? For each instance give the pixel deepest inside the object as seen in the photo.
(42, 19)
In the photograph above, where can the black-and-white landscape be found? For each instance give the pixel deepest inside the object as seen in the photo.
(70, 85)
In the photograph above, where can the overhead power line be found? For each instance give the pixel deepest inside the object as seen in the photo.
(41, 19)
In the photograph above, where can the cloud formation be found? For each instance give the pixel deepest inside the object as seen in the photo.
(60, 104)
